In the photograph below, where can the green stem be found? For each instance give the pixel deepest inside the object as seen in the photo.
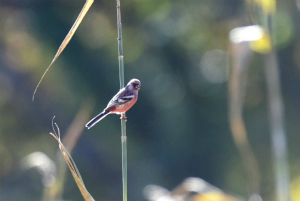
(123, 117)
(120, 45)
(124, 158)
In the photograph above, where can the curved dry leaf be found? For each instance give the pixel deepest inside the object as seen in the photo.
(72, 166)
(67, 39)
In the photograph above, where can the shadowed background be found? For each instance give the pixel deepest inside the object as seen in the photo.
(179, 126)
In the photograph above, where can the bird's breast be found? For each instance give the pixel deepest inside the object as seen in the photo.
(124, 107)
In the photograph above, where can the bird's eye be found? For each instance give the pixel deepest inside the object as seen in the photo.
(137, 86)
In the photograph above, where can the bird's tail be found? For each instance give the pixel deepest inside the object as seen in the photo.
(96, 119)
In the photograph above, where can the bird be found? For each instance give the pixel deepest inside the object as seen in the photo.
(120, 103)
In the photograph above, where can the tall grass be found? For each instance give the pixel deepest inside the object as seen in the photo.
(264, 43)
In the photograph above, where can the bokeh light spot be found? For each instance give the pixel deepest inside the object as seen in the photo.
(214, 66)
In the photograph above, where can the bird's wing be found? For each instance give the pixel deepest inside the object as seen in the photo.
(122, 97)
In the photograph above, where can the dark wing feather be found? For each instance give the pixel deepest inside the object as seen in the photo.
(122, 97)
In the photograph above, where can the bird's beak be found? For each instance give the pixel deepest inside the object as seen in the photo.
(138, 86)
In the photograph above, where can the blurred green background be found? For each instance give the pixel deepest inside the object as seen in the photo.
(178, 128)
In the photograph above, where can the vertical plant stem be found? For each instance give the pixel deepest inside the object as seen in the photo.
(278, 135)
(241, 55)
(123, 116)
(276, 112)
(120, 46)
(124, 158)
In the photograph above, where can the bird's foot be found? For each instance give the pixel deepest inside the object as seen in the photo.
(123, 117)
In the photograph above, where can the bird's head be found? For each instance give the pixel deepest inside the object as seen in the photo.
(134, 84)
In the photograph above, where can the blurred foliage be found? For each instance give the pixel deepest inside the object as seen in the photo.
(178, 128)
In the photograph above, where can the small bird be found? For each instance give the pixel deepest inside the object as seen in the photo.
(120, 103)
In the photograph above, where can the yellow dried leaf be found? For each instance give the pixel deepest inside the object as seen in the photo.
(262, 45)
(268, 6)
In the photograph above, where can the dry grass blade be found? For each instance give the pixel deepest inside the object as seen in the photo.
(67, 39)
(70, 139)
(72, 166)
(237, 86)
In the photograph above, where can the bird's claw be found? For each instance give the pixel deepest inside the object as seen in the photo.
(123, 117)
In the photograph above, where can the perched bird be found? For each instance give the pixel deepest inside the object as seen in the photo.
(120, 103)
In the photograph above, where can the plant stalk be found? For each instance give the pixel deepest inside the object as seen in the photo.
(241, 55)
(277, 122)
(123, 116)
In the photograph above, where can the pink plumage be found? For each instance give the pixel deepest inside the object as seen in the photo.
(120, 103)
